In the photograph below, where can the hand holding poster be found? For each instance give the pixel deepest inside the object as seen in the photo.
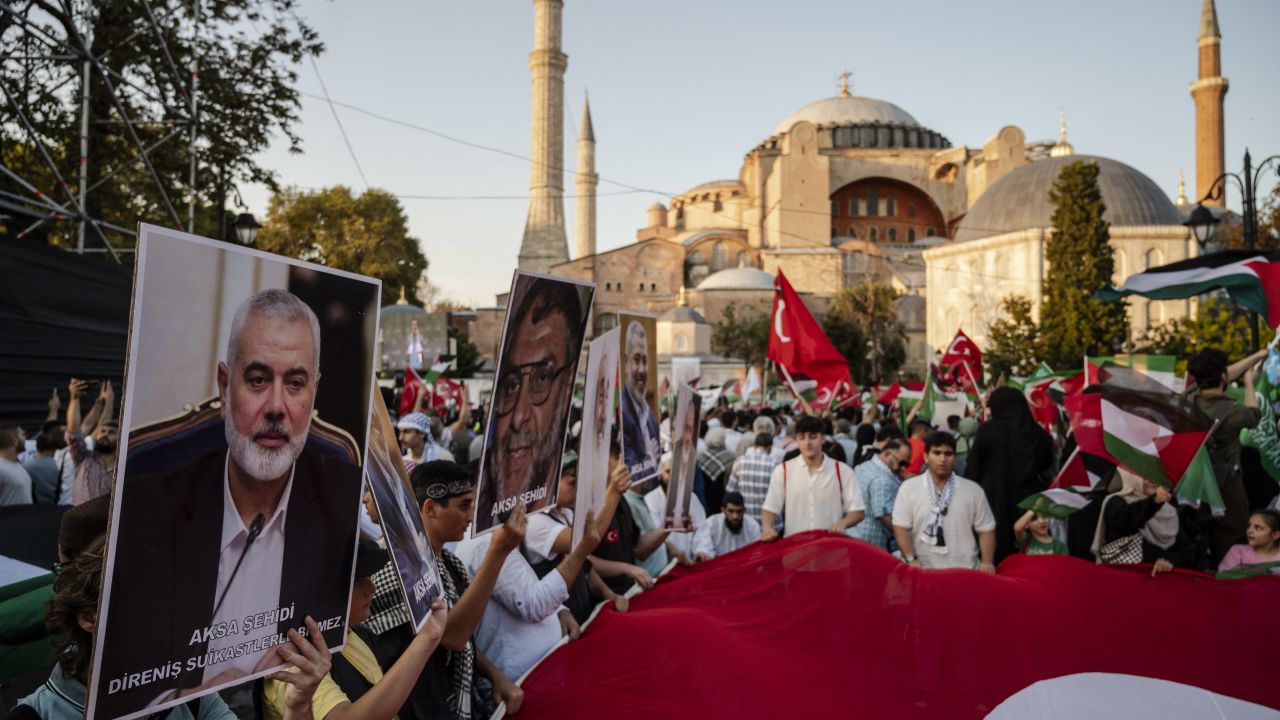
(597, 428)
(398, 511)
(641, 443)
(684, 450)
(235, 520)
(528, 418)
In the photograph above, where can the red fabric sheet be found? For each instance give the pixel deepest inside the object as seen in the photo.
(821, 625)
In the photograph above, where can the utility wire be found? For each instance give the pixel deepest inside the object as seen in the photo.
(338, 120)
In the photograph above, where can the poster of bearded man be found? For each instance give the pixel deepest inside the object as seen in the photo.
(684, 450)
(245, 415)
(528, 419)
(641, 441)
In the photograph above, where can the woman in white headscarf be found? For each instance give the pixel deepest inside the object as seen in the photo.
(1139, 523)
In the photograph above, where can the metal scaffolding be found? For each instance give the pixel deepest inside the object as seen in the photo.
(27, 36)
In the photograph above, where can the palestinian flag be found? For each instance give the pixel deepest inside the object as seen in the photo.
(1159, 437)
(1250, 277)
(732, 392)
(1265, 438)
(1080, 475)
(933, 396)
(1157, 367)
(437, 368)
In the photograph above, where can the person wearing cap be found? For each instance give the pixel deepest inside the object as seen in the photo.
(73, 616)
(725, 531)
(356, 686)
(549, 537)
(679, 544)
(716, 462)
(418, 441)
(446, 495)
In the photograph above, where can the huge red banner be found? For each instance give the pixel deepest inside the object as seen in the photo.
(819, 625)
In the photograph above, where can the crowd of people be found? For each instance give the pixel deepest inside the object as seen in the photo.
(940, 493)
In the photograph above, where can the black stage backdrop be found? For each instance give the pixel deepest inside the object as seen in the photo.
(62, 315)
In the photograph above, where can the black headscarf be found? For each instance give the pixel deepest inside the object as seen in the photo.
(1011, 458)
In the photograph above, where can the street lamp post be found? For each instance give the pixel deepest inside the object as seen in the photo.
(246, 226)
(1202, 221)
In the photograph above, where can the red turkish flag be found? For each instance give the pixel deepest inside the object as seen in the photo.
(798, 344)
(412, 386)
(962, 351)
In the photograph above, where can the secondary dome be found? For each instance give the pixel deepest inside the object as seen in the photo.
(739, 278)
(680, 313)
(1020, 200)
(851, 110)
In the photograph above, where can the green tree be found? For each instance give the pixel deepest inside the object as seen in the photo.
(247, 54)
(1216, 324)
(863, 324)
(1081, 260)
(466, 356)
(368, 234)
(1012, 349)
(741, 332)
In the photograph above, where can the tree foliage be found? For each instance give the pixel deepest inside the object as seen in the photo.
(1013, 337)
(247, 52)
(1217, 323)
(741, 332)
(366, 234)
(1081, 260)
(467, 361)
(863, 324)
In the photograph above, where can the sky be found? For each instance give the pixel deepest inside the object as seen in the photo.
(681, 90)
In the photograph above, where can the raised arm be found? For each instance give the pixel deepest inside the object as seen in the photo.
(466, 613)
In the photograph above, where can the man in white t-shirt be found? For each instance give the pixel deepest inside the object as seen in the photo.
(937, 515)
(811, 491)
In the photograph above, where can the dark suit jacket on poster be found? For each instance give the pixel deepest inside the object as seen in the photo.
(635, 454)
(166, 566)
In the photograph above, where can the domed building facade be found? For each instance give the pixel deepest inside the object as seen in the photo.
(849, 190)
(998, 250)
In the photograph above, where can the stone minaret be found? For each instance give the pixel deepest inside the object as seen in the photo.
(1208, 93)
(544, 242)
(584, 226)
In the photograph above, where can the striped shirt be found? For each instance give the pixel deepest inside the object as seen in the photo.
(750, 477)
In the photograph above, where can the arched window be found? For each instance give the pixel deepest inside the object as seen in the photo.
(1153, 258)
(744, 260)
(653, 286)
(873, 202)
(1002, 268)
(853, 206)
(911, 209)
(875, 235)
(608, 286)
(718, 257)
(911, 235)
(835, 231)
(929, 232)
(1153, 315)
(893, 235)
(835, 209)
(890, 206)
(641, 288)
(853, 232)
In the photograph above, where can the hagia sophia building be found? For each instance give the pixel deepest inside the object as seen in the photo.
(844, 191)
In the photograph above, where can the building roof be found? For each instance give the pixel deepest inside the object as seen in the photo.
(681, 313)
(1020, 200)
(851, 110)
(738, 278)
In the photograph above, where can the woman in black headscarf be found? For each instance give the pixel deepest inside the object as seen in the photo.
(1011, 458)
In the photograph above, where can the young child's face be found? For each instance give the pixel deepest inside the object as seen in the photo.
(1040, 525)
(1259, 533)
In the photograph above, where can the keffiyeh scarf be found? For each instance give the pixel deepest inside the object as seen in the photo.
(463, 661)
(933, 528)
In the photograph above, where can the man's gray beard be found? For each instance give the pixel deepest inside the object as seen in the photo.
(637, 400)
(264, 464)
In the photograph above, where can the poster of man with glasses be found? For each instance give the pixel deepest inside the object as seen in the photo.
(532, 393)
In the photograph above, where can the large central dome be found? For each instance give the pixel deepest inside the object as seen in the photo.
(849, 110)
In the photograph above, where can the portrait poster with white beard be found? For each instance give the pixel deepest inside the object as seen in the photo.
(399, 515)
(641, 440)
(528, 419)
(684, 459)
(244, 420)
(597, 427)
